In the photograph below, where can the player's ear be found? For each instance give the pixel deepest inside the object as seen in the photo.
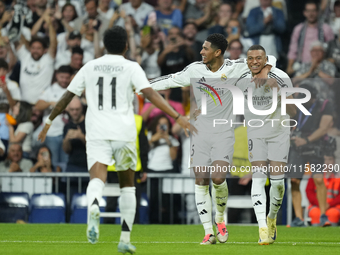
(218, 52)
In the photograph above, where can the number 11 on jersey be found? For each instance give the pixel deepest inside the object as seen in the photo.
(100, 84)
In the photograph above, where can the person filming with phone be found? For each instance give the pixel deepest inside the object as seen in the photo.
(44, 162)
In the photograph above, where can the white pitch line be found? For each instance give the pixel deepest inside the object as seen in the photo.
(82, 242)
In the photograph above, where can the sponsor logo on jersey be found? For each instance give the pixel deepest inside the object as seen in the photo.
(208, 92)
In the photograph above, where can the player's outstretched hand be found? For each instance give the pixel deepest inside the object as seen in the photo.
(42, 135)
(185, 124)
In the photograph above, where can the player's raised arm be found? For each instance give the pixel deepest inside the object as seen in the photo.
(176, 80)
(155, 98)
(59, 108)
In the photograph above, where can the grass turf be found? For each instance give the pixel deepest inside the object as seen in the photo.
(51, 239)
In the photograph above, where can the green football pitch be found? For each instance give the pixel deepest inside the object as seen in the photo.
(50, 239)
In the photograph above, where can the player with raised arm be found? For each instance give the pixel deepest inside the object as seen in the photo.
(268, 139)
(213, 145)
(110, 82)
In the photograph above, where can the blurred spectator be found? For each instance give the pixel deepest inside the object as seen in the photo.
(224, 15)
(165, 17)
(66, 16)
(189, 33)
(251, 4)
(24, 130)
(92, 18)
(74, 144)
(15, 162)
(42, 26)
(264, 26)
(149, 111)
(306, 147)
(176, 55)
(9, 90)
(74, 138)
(321, 70)
(37, 10)
(332, 183)
(6, 52)
(44, 163)
(65, 45)
(333, 53)
(163, 151)
(335, 19)
(148, 53)
(4, 131)
(78, 4)
(304, 34)
(104, 9)
(36, 119)
(234, 31)
(235, 50)
(177, 130)
(76, 59)
(138, 10)
(36, 69)
(47, 101)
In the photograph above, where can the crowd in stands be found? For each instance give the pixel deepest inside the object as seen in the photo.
(59, 36)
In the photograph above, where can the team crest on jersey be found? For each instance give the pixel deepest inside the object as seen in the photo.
(223, 77)
(266, 88)
(250, 155)
(191, 160)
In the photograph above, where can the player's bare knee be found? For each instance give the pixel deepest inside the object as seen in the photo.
(202, 181)
(218, 180)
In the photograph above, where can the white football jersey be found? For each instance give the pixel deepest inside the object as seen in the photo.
(266, 125)
(209, 83)
(110, 82)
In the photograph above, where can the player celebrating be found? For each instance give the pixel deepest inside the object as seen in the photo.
(269, 141)
(110, 127)
(213, 145)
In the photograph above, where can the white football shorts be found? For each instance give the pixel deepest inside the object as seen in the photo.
(109, 152)
(273, 148)
(207, 148)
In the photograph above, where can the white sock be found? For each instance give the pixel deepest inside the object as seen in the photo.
(203, 204)
(276, 193)
(220, 197)
(94, 191)
(258, 197)
(127, 206)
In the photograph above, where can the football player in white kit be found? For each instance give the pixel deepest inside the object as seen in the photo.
(213, 146)
(268, 139)
(110, 82)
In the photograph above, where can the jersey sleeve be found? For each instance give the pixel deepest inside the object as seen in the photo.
(176, 80)
(77, 85)
(139, 80)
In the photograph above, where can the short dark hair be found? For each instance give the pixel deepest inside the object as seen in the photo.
(218, 41)
(312, 2)
(65, 69)
(337, 3)
(42, 41)
(190, 23)
(77, 50)
(3, 64)
(115, 39)
(311, 88)
(257, 47)
(95, 1)
(25, 112)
